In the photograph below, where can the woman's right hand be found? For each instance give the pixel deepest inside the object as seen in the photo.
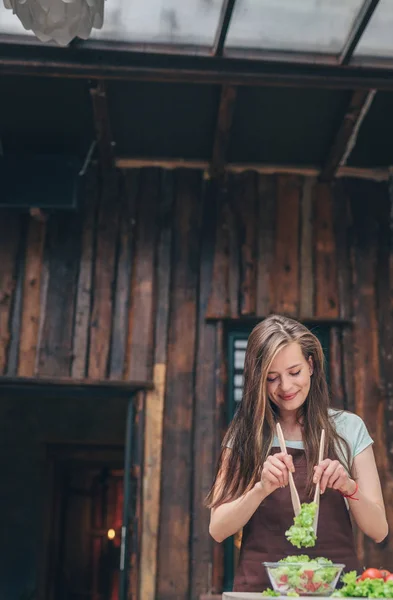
(275, 472)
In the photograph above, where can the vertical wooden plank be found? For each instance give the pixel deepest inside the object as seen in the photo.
(231, 224)
(104, 278)
(174, 543)
(16, 314)
(286, 263)
(385, 338)
(343, 227)
(85, 277)
(220, 423)
(62, 258)
(138, 508)
(336, 374)
(244, 201)
(9, 241)
(266, 226)
(219, 304)
(326, 290)
(31, 303)
(368, 399)
(205, 434)
(127, 200)
(306, 250)
(140, 332)
(154, 408)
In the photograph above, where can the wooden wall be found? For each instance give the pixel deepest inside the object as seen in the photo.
(142, 282)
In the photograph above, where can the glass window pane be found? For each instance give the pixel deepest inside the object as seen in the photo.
(238, 381)
(9, 23)
(239, 359)
(319, 26)
(191, 22)
(377, 40)
(241, 344)
(238, 394)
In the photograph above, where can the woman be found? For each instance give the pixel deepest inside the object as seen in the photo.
(284, 381)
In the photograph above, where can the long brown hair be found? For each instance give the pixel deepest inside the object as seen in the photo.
(250, 434)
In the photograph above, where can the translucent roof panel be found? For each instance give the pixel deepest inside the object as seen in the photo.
(185, 22)
(318, 26)
(377, 40)
(9, 23)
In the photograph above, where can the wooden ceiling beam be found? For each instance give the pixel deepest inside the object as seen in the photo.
(347, 133)
(133, 66)
(223, 130)
(223, 26)
(376, 174)
(103, 130)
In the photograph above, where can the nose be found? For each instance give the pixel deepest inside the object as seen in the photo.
(285, 384)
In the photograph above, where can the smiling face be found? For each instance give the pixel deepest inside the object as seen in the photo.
(289, 378)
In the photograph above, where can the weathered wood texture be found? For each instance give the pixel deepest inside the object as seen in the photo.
(121, 290)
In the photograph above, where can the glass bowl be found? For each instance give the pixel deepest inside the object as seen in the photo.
(302, 578)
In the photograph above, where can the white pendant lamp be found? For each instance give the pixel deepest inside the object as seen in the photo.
(59, 21)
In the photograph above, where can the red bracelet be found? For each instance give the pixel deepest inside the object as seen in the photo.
(352, 496)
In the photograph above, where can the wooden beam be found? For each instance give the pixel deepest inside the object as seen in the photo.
(223, 26)
(346, 136)
(359, 26)
(223, 130)
(376, 174)
(105, 63)
(102, 126)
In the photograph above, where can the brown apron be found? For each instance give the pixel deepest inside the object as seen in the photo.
(264, 534)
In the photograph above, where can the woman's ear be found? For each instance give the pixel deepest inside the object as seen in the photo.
(311, 365)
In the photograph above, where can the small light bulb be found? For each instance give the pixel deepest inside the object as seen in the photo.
(111, 534)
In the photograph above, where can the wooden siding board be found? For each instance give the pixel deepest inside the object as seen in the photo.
(286, 263)
(127, 199)
(104, 278)
(368, 398)
(174, 546)
(306, 250)
(244, 202)
(204, 414)
(9, 240)
(85, 276)
(326, 290)
(155, 400)
(62, 258)
(336, 364)
(220, 303)
(220, 423)
(140, 332)
(31, 304)
(266, 226)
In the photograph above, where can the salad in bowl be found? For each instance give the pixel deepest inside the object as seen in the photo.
(302, 576)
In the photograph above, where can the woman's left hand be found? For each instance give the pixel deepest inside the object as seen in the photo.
(332, 474)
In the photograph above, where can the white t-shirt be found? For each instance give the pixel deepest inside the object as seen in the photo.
(349, 426)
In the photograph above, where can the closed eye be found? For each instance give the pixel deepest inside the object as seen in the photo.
(296, 374)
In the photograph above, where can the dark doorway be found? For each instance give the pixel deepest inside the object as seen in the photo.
(84, 522)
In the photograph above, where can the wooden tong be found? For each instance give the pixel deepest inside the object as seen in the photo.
(317, 494)
(294, 493)
(292, 486)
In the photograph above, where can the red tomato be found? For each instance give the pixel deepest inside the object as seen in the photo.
(389, 577)
(385, 573)
(371, 574)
